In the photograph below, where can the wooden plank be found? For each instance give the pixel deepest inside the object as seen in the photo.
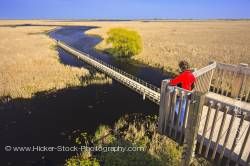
(211, 77)
(233, 68)
(245, 107)
(191, 131)
(217, 80)
(162, 107)
(243, 86)
(220, 80)
(204, 70)
(243, 145)
(227, 137)
(218, 107)
(185, 117)
(239, 81)
(232, 133)
(173, 105)
(167, 109)
(179, 114)
(247, 94)
(211, 103)
(236, 139)
(220, 132)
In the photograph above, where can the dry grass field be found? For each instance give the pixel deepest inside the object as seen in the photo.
(29, 63)
(166, 43)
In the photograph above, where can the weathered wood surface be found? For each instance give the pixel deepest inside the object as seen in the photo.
(214, 122)
(232, 80)
(242, 68)
(237, 132)
(228, 101)
(192, 128)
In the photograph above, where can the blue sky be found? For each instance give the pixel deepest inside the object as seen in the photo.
(124, 9)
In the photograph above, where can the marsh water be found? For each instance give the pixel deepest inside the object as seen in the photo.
(56, 118)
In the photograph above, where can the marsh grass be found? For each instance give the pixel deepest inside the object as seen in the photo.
(30, 63)
(132, 131)
(165, 43)
(198, 42)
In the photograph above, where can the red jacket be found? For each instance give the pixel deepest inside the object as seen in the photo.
(186, 79)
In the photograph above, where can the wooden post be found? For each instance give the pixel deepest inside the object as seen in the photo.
(216, 84)
(226, 109)
(212, 129)
(244, 80)
(210, 105)
(243, 145)
(227, 137)
(185, 118)
(167, 108)
(172, 117)
(236, 139)
(177, 126)
(191, 131)
(211, 76)
(144, 95)
(239, 80)
(163, 111)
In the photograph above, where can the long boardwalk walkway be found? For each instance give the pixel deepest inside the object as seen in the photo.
(151, 92)
(147, 90)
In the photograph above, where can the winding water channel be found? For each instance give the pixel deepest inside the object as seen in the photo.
(54, 119)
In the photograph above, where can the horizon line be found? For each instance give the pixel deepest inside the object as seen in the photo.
(127, 19)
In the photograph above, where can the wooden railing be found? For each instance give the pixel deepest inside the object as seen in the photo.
(224, 129)
(204, 78)
(219, 123)
(225, 79)
(232, 81)
(228, 80)
(173, 99)
(147, 90)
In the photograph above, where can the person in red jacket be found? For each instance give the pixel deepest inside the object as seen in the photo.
(184, 80)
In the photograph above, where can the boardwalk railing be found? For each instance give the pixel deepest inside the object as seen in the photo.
(228, 80)
(173, 99)
(204, 78)
(147, 90)
(232, 81)
(208, 119)
(215, 125)
(224, 129)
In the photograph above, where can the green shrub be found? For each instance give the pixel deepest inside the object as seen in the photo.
(131, 131)
(74, 161)
(125, 43)
(103, 135)
(132, 158)
(84, 159)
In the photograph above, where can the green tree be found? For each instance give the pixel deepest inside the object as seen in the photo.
(125, 43)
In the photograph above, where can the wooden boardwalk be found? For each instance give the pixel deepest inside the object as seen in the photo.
(145, 89)
(219, 123)
(215, 126)
(234, 128)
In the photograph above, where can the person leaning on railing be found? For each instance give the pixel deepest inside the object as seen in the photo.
(184, 80)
